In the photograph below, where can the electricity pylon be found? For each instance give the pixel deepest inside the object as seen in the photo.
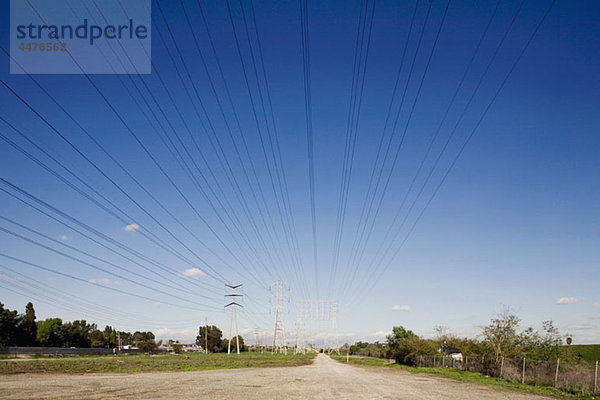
(300, 341)
(324, 313)
(333, 317)
(279, 332)
(233, 304)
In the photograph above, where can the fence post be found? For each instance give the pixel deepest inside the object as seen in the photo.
(501, 366)
(467, 363)
(523, 373)
(556, 373)
(443, 361)
(596, 378)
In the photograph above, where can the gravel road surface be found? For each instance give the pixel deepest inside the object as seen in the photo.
(324, 379)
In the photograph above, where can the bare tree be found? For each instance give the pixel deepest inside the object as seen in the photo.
(501, 333)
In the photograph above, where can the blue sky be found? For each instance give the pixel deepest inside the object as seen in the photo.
(515, 223)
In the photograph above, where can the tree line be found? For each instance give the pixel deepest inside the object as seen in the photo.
(212, 338)
(23, 330)
(501, 338)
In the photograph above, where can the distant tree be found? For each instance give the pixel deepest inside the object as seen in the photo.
(50, 332)
(224, 345)
(501, 334)
(234, 344)
(28, 328)
(9, 326)
(399, 345)
(76, 333)
(175, 346)
(110, 337)
(96, 338)
(354, 349)
(545, 346)
(126, 338)
(145, 341)
(214, 338)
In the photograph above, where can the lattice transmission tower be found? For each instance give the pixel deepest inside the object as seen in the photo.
(301, 316)
(279, 345)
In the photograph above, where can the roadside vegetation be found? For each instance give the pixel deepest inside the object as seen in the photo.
(22, 330)
(503, 355)
(151, 363)
(467, 376)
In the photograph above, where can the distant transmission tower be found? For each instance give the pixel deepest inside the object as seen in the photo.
(279, 345)
(333, 316)
(300, 317)
(233, 304)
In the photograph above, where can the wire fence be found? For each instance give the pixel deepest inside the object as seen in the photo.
(581, 376)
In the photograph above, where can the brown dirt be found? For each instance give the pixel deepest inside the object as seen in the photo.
(324, 379)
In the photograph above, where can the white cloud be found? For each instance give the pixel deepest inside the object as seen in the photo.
(401, 308)
(596, 317)
(192, 273)
(568, 300)
(63, 238)
(132, 228)
(584, 327)
(596, 305)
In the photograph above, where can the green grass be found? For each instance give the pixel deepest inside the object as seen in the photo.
(470, 377)
(151, 363)
(589, 352)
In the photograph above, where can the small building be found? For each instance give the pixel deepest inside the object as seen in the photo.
(453, 352)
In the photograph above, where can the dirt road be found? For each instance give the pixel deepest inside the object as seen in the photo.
(324, 379)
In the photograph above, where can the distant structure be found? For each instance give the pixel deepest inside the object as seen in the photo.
(301, 316)
(233, 304)
(453, 352)
(279, 345)
(322, 312)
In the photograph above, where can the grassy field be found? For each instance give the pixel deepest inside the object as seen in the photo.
(150, 363)
(589, 352)
(470, 377)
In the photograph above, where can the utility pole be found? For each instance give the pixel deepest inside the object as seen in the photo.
(119, 341)
(256, 340)
(233, 304)
(279, 332)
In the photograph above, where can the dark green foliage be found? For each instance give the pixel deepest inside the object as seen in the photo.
(110, 337)
(23, 330)
(50, 332)
(76, 333)
(145, 341)
(225, 344)
(375, 349)
(28, 335)
(404, 346)
(9, 327)
(96, 338)
(126, 338)
(214, 338)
